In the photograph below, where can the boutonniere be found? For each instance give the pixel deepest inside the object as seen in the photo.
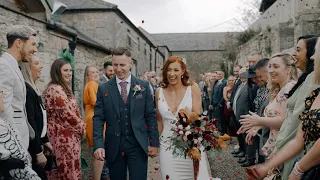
(138, 88)
(106, 94)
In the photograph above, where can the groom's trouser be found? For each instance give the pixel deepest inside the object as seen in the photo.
(132, 157)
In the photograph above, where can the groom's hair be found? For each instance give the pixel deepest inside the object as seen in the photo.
(121, 51)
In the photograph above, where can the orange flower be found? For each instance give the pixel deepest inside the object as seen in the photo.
(192, 116)
(194, 153)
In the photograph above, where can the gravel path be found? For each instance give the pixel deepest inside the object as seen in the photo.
(223, 166)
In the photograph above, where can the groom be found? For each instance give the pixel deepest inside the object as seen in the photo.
(126, 105)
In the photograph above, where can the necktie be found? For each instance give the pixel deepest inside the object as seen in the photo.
(124, 95)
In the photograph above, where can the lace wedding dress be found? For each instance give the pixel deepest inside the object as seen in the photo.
(172, 167)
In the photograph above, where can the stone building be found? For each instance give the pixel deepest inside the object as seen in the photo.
(91, 27)
(202, 52)
(281, 23)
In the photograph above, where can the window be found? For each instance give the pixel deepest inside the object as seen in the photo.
(129, 41)
(145, 49)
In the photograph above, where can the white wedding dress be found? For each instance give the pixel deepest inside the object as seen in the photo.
(172, 167)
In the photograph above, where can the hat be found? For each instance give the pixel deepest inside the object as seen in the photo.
(249, 74)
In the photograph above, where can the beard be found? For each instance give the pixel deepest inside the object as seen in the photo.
(24, 55)
(109, 76)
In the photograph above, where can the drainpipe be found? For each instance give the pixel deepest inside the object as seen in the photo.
(72, 47)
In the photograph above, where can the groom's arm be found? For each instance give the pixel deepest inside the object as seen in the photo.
(98, 121)
(150, 116)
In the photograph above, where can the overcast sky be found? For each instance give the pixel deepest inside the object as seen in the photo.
(163, 16)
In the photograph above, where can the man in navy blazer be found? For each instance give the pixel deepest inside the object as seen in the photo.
(126, 105)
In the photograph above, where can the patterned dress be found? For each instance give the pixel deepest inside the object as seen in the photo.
(65, 129)
(11, 147)
(277, 107)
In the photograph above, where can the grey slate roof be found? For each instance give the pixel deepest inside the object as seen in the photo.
(190, 41)
(84, 4)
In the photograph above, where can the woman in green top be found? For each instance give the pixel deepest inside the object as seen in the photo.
(289, 143)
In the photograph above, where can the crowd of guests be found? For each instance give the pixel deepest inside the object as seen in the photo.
(271, 106)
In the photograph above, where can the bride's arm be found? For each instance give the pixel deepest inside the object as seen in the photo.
(158, 116)
(196, 98)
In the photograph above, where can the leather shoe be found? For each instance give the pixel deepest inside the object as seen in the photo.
(240, 154)
(247, 164)
(235, 152)
(242, 161)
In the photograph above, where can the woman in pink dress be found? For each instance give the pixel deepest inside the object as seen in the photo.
(65, 126)
(283, 76)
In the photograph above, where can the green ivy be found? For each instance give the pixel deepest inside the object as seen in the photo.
(246, 35)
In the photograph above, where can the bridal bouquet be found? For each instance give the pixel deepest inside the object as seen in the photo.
(195, 134)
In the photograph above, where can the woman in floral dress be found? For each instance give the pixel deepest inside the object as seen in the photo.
(283, 76)
(65, 126)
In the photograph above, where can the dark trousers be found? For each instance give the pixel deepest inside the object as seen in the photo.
(222, 124)
(130, 157)
(240, 137)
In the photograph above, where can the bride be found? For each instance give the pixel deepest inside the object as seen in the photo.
(177, 93)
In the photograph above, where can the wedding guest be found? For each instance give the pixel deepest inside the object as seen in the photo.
(260, 103)
(306, 139)
(283, 76)
(37, 115)
(227, 91)
(205, 94)
(296, 97)
(15, 161)
(21, 43)
(240, 106)
(65, 125)
(107, 74)
(91, 75)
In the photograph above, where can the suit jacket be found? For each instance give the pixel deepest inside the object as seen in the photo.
(217, 94)
(102, 79)
(234, 90)
(242, 102)
(13, 86)
(35, 119)
(142, 114)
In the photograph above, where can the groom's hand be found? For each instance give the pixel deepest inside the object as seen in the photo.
(99, 154)
(153, 151)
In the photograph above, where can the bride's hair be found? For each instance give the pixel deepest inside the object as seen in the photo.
(185, 76)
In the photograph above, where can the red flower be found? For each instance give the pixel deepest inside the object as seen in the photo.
(208, 137)
(197, 130)
(167, 176)
(122, 153)
(106, 94)
(206, 118)
(145, 126)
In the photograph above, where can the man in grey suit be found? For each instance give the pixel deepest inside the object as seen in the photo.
(21, 44)
(241, 106)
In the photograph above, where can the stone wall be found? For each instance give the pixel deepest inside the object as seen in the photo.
(201, 61)
(50, 45)
(282, 11)
(111, 30)
(281, 37)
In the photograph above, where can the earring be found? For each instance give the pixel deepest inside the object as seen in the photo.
(182, 77)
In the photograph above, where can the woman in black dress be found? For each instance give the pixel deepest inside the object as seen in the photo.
(36, 113)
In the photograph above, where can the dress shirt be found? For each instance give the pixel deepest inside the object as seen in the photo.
(128, 80)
